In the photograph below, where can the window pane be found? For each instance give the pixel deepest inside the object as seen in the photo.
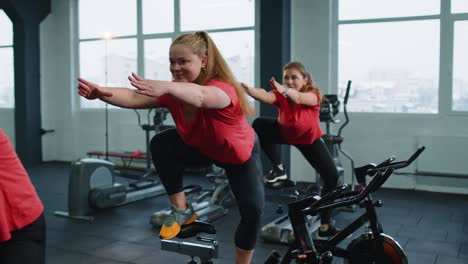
(460, 67)
(157, 59)
(215, 14)
(6, 30)
(121, 62)
(158, 16)
(117, 17)
(394, 72)
(7, 91)
(459, 6)
(366, 9)
(237, 48)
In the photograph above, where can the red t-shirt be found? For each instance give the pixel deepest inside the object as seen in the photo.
(19, 203)
(221, 134)
(299, 124)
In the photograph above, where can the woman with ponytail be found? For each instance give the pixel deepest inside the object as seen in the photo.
(298, 123)
(209, 107)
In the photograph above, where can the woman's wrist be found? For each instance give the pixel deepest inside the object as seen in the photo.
(285, 91)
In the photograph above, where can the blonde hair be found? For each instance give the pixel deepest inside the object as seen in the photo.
(310, 84)
(216, 67)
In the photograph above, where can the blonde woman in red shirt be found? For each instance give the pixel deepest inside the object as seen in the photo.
(208, 107)
(298, 123)
(22, 224)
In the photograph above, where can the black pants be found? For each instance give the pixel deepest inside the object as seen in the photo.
(316, 154)
(27, 245)
(171, 156)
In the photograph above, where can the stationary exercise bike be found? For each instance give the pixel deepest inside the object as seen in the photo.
(372, 246)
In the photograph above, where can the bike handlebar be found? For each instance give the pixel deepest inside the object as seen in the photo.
(351, 197)
(396, 165)
(382, 172)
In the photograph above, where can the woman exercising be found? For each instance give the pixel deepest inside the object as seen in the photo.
(208, 107)
(298, 124)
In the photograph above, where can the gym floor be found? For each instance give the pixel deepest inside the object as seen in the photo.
(431, 227)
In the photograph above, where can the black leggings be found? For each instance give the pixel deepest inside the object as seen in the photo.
(27, 245)
(316, 154)
(171, 156)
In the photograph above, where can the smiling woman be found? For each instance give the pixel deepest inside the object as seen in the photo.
(209, 108)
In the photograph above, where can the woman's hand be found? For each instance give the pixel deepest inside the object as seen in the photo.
(246, 88)
(148, 87)
(91, 90)
(278, 87)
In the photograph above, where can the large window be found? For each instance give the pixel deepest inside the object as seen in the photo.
(114, 44)
(460, 67)
(393, 52)
(7, 90)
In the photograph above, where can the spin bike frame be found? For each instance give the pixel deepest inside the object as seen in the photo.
(306, 250)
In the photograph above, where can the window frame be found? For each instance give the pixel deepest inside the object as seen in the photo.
(141, 38)
(446, 44)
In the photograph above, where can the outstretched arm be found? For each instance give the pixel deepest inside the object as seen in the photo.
(260, 94)
(190, 93)
(310, 99)
(122, 97)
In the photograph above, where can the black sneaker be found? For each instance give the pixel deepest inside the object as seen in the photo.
(274, 175)
(331, 231)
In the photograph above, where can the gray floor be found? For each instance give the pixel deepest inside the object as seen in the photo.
(431, 227)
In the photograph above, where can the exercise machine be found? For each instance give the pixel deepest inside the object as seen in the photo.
(372, 246)
(205, 248)
(92, 187)
(92, 184)
(209, 204)
(157, 126)
(328, 111)
(280, 229)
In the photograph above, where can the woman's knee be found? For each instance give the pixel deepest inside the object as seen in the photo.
(256, 125)
(155, 145)
(249, 227)
(251, 214)
(159, 145)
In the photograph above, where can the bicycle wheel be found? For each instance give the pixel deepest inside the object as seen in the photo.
(363, 252)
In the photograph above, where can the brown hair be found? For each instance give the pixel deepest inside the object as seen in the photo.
(310, 85)
(216, 67)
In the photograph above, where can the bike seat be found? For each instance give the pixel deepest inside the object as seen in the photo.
(195, 228)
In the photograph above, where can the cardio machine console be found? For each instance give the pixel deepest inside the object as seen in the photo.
(329, 108)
